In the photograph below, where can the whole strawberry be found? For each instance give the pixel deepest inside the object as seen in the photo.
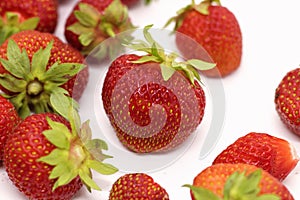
(16, 16)
(213, 27)
(47, 157)
(275, 155)
(237, 181)
(8, 120)
(153, 102)
(287, 96)
(91, 22)
(137, 186)
(35, 67)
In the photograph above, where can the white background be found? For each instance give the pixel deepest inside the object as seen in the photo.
(271, 42)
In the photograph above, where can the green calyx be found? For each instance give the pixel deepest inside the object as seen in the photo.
(168, 63)
(32, 84)
(11, 23)
(76, 153)
(201, 8)
(238, 186)
(93, 26)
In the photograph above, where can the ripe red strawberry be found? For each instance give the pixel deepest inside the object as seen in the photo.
(153, 102)
(287, 100)
(15, 16)
(275, 155)
(137, 186)
(216, 29)
(92, 22)
(36, 67)
(8, 120)
(237, 181)
(46, 157)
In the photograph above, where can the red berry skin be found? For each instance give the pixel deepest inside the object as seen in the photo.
(273, 154)
(22, 150)
(32, 41)
(161, 114)
(46, 10)
(218, 33)
(287, 100)
(130, 2)
(8, 120)
(137, 186)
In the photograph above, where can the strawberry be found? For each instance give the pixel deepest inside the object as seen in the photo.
(91, 22)
(216, 29)
(152, 101)
(8, 120)
(137, 186)
(275, 155)
(133, 2)
(35, 67)
(48, 157)
(237, 181)
(287, 96)
(16, 16)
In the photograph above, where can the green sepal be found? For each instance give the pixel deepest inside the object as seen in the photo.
(30, 24)
(200, 64)
(167, 72)
(12, 84)
(40, 60)
(74, 154)
(58, 135)
(34, 80)
(102, 168)
(116, 13)
(155, 53)
(11, 24)
(96, 147)
(147, 2)
(79, 29)
(87, 15)
(61, 72)
(200, 193)
(63, 178)
(242, 186)
(238, 186)
(18, 63)
(55, 157)
(87, 38)
(87, 180)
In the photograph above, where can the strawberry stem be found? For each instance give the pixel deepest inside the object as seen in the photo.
(34, 88)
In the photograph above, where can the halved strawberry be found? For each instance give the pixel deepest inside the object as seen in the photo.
(153, 102)
(36, 67)
(237, 181)
(16, 16)
(275, 155)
